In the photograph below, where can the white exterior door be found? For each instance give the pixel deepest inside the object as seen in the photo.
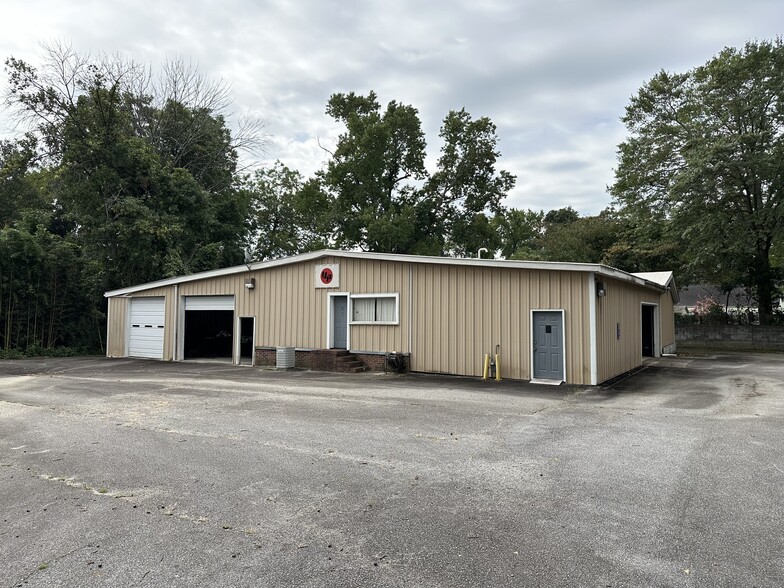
(146, 328)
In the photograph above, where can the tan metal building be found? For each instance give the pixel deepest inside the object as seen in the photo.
(571, 322)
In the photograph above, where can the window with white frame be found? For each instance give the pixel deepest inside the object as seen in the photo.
(374, 309)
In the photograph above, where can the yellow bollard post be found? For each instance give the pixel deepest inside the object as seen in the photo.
(486, 367)
(498, 367)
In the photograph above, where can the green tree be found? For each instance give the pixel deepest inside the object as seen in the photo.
(584, 240)
(384, 199)
(18, 191)
(520, 232)
(373, 171)
(561, 216)
(121, 179)
(706, 151)
(147, 180)
(466, 184)
(288, 216)
(645, 243)
(42, 303)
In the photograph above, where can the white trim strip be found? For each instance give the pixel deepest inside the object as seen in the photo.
(593, 343)
(175, 341)
(656, 330)
(108, 325)
(330, 334)
(394, 295)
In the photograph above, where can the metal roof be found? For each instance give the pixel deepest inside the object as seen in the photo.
(666, 279)
(598, 269)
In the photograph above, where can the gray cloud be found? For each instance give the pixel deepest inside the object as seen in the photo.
(554, 76)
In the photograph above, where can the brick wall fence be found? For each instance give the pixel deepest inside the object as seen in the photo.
(731, 337)
(326, 360)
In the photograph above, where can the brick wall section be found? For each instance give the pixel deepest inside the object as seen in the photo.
(324, 360)
(266, 357)
(373, 362)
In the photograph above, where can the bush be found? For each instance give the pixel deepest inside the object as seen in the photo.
(710, 311)
(38, 351)
(778, 317)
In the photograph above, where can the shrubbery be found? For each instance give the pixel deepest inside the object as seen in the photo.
(38, 351)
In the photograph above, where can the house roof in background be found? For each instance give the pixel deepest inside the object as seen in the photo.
(738, 298)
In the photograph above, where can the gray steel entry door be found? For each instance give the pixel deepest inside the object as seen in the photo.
(339, 322)
(548, 345)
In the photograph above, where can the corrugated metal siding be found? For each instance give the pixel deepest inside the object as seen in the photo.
(170, 340)
(116, 327)
(291, 311)
(620, 307)
(455, 314)
(155, 292)
(360, 276)
(461, 313)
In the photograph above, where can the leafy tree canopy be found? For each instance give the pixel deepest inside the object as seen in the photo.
(289, 215)
(121, 178)
(705, 156)
(383, 197)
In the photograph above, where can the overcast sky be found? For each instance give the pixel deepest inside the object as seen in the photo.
(554, 76)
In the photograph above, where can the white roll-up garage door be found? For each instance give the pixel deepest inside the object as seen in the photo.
(146, 332)
(209, 303)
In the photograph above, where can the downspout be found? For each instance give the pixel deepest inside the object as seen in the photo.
(592, 344)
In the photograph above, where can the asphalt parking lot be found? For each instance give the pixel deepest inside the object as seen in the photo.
(133, 473)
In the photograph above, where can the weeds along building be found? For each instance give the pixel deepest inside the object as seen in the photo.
(564, 322)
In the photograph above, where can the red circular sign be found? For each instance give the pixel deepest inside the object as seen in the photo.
(326, 275)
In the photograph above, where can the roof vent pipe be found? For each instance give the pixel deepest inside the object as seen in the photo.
(479, 252)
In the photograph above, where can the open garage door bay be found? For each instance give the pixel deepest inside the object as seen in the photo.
(209, 326)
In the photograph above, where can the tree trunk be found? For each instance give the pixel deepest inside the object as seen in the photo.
(763, 280)
(8, 315)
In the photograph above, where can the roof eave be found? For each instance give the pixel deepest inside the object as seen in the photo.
(599, 269)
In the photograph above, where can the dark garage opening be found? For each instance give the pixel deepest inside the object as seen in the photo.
(647, 331)
(246, 340)
(208, 333)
